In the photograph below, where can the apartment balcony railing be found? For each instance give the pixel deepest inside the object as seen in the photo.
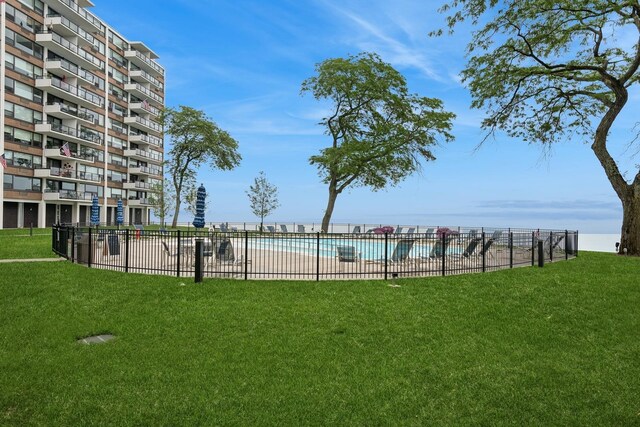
(144, 170)
(145, 125)
(57, 153)
(62, 66)
(77, 95)
(144, 62)
(77, 15)
(78, 135)
(137, 185)
(69, 174)
(64, 111)
(144, 155)
(146, 77)
(53, 195)
(144, 108)
(144, 93)
(64, 48)
(64, 26)
(141, 139)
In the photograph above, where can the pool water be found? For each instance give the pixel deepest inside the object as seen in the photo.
(368, 249)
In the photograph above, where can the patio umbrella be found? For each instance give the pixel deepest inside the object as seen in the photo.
(95, 211)
(198, 221)
(119, 213)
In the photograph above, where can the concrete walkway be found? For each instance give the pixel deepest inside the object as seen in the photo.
(3, 261)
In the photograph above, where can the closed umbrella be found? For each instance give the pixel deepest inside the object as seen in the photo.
(95, 211)
(119, 213)
(198, 221)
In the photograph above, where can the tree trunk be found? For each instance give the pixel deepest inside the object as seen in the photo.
(630, 235)
(176, 212)
(333, 195)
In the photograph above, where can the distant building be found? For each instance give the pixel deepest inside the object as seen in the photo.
(80, 108)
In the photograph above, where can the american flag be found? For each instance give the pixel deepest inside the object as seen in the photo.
(3, 159)
(65, 149)
(145, 104)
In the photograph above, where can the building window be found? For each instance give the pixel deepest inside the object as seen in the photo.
(23, 160)
(22, 183)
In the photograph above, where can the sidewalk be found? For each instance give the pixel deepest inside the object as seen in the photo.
(31, 260)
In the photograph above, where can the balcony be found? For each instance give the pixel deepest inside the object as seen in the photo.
(66, 195)
(66, 49)
(66, 133)
(143, 124)
(139, 202)
(141, 139)
(56, 153)
(144, 62)
(66, 112)
(76, 14)
(145, 170)
(67, 175)
(144, 108)
(144, 77)
(143, 93)
(63, 67)
(66, 28)
(144, 155)
(137, 185)
(77, 95)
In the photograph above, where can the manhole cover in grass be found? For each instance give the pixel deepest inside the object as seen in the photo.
(96, 339)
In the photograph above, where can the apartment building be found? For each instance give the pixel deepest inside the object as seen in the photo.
(80, 107)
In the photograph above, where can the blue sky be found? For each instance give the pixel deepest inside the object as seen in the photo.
(243, 61)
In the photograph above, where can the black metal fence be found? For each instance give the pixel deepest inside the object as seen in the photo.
(311, 256)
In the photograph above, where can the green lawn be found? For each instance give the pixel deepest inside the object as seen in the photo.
(23, 243)
(553, 346)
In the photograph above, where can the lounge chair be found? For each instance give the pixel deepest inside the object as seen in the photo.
(557, 242)
(398, 230)
(356, 229)
(224, 227)
(471, 248)
(283, 228)
(271, 229)
(346, 254)
(439, 248)
(301, 228)
(411, 230)
(400, 252)
(487, 245)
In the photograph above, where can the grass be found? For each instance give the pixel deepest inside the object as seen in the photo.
(552, 346)
(23, 243)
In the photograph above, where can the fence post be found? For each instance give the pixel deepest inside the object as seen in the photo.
(126, 249)
(246, 254)
(551, 246)
(199, 273)
(73, 244)
(31, 230)
(90, 248)
(540, 253)
(484, 254)
(566, 244)
(318, 256)
(510, 249)
(442, 243)
(533, 248)
(178, 256)
(386, 254)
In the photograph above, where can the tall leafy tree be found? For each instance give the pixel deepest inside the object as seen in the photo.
(197, 140)
(547, 70)
(263, 197)
(379, 132)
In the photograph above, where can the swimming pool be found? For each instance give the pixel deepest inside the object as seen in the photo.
(368, 249)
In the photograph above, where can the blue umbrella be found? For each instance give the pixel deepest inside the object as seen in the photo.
(119, 213)
(95, 211)
(198, 221)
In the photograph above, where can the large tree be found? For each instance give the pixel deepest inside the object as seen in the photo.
(545, 71)
(379, 132)
(196, 140)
